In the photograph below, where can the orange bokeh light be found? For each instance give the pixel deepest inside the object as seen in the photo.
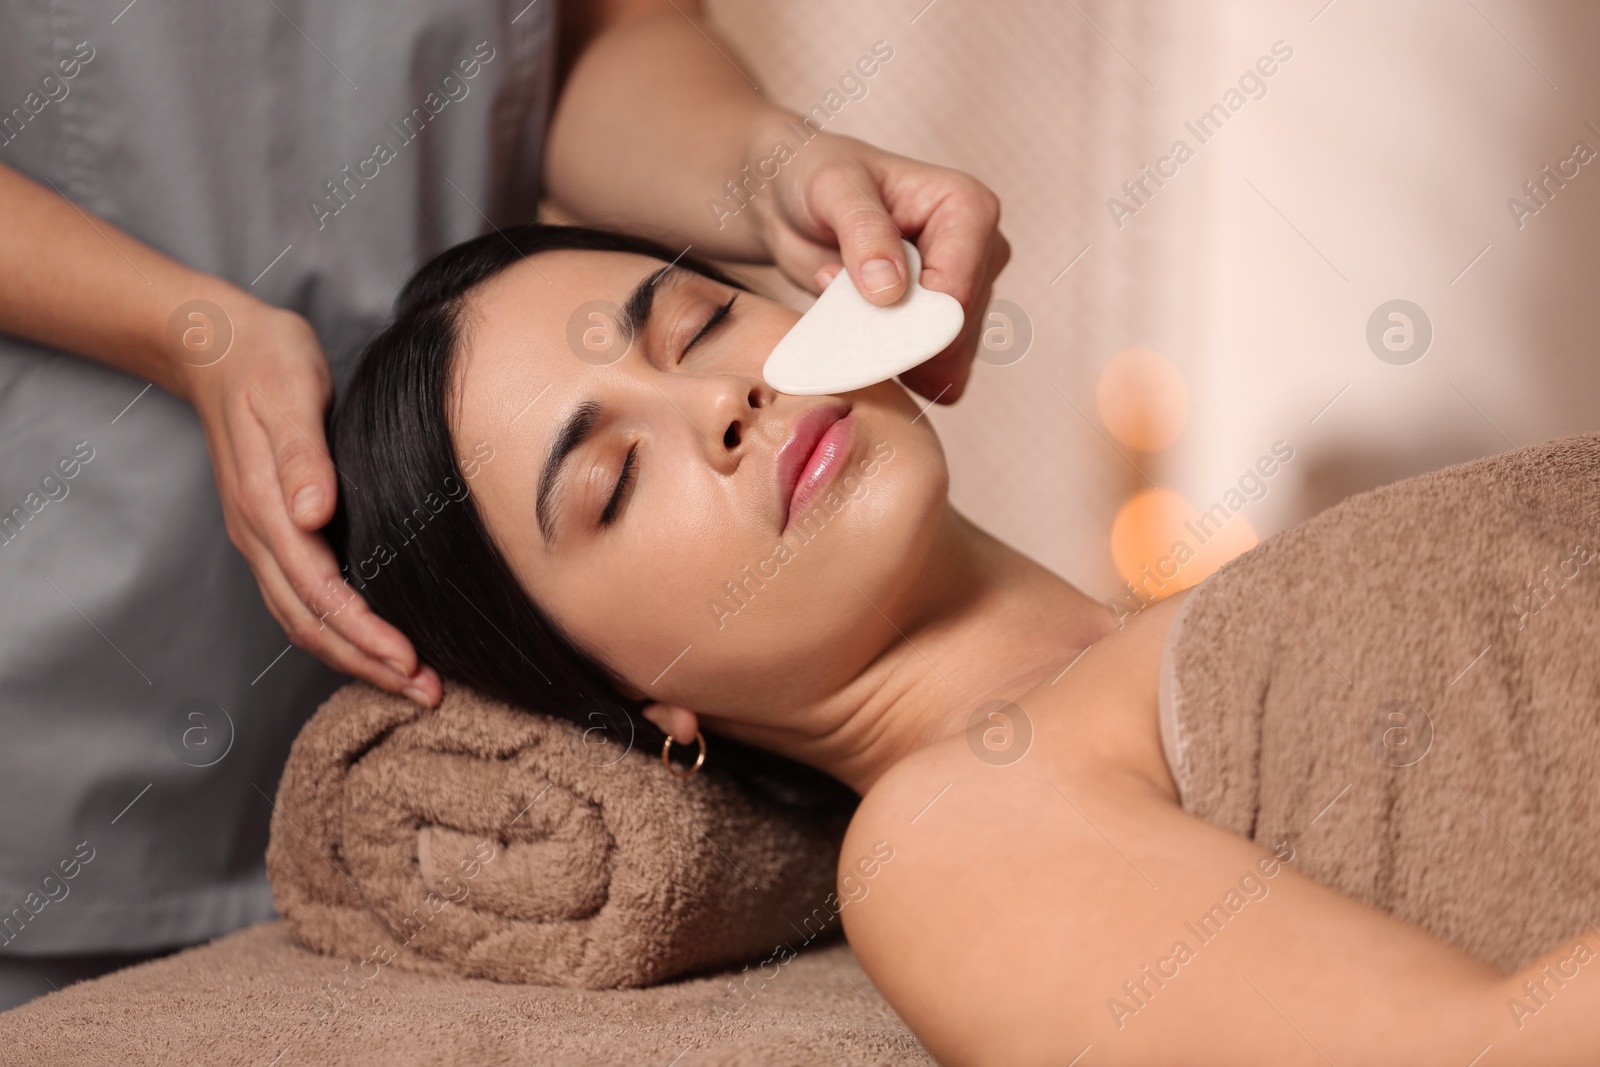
(1162, 544)
(1142, 400)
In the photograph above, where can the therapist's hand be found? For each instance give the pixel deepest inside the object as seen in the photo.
(840, 198)
(262, 408)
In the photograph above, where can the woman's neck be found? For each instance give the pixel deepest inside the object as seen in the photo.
(986, 623)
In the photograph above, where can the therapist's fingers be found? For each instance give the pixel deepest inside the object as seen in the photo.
(945, 376)
(962, 251)
(317, 629)
(845, 199)
(330, 646)
(958, 240)
(321, 612)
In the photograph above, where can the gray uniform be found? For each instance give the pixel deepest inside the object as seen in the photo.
(315, 154)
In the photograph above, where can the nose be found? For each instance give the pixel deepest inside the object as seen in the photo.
(728, 410)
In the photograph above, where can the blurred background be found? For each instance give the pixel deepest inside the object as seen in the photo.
(1183, 329)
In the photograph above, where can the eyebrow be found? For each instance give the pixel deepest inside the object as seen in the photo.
(636, 309)
(580, 423)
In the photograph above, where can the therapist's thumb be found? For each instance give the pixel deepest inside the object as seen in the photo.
(306, 474)
(869, 241)
(309, 494)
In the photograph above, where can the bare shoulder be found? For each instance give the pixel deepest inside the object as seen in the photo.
(1023, 911)
(977, 854)
(1094, 721)
(979, 872)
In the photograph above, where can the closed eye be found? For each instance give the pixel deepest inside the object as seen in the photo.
(716, 317)
(630, 468)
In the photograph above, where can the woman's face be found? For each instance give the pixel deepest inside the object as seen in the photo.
(644, 499)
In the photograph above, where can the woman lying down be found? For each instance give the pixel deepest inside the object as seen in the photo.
(661, 527)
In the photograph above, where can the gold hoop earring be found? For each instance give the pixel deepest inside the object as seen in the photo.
(699, 759)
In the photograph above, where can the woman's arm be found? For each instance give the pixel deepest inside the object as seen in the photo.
(657, 116)
(1027, 916)
(76, 282)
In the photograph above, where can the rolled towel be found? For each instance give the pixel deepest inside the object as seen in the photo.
(1407, 689)
(482, 840)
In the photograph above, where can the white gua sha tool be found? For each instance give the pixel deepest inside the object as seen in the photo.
(843, 342)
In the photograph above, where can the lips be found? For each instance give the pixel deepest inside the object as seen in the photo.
(816, 447)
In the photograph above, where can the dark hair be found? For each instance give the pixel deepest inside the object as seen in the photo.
(410, 538)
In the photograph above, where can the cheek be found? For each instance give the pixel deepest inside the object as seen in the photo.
(643, 593)
(915, 465)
